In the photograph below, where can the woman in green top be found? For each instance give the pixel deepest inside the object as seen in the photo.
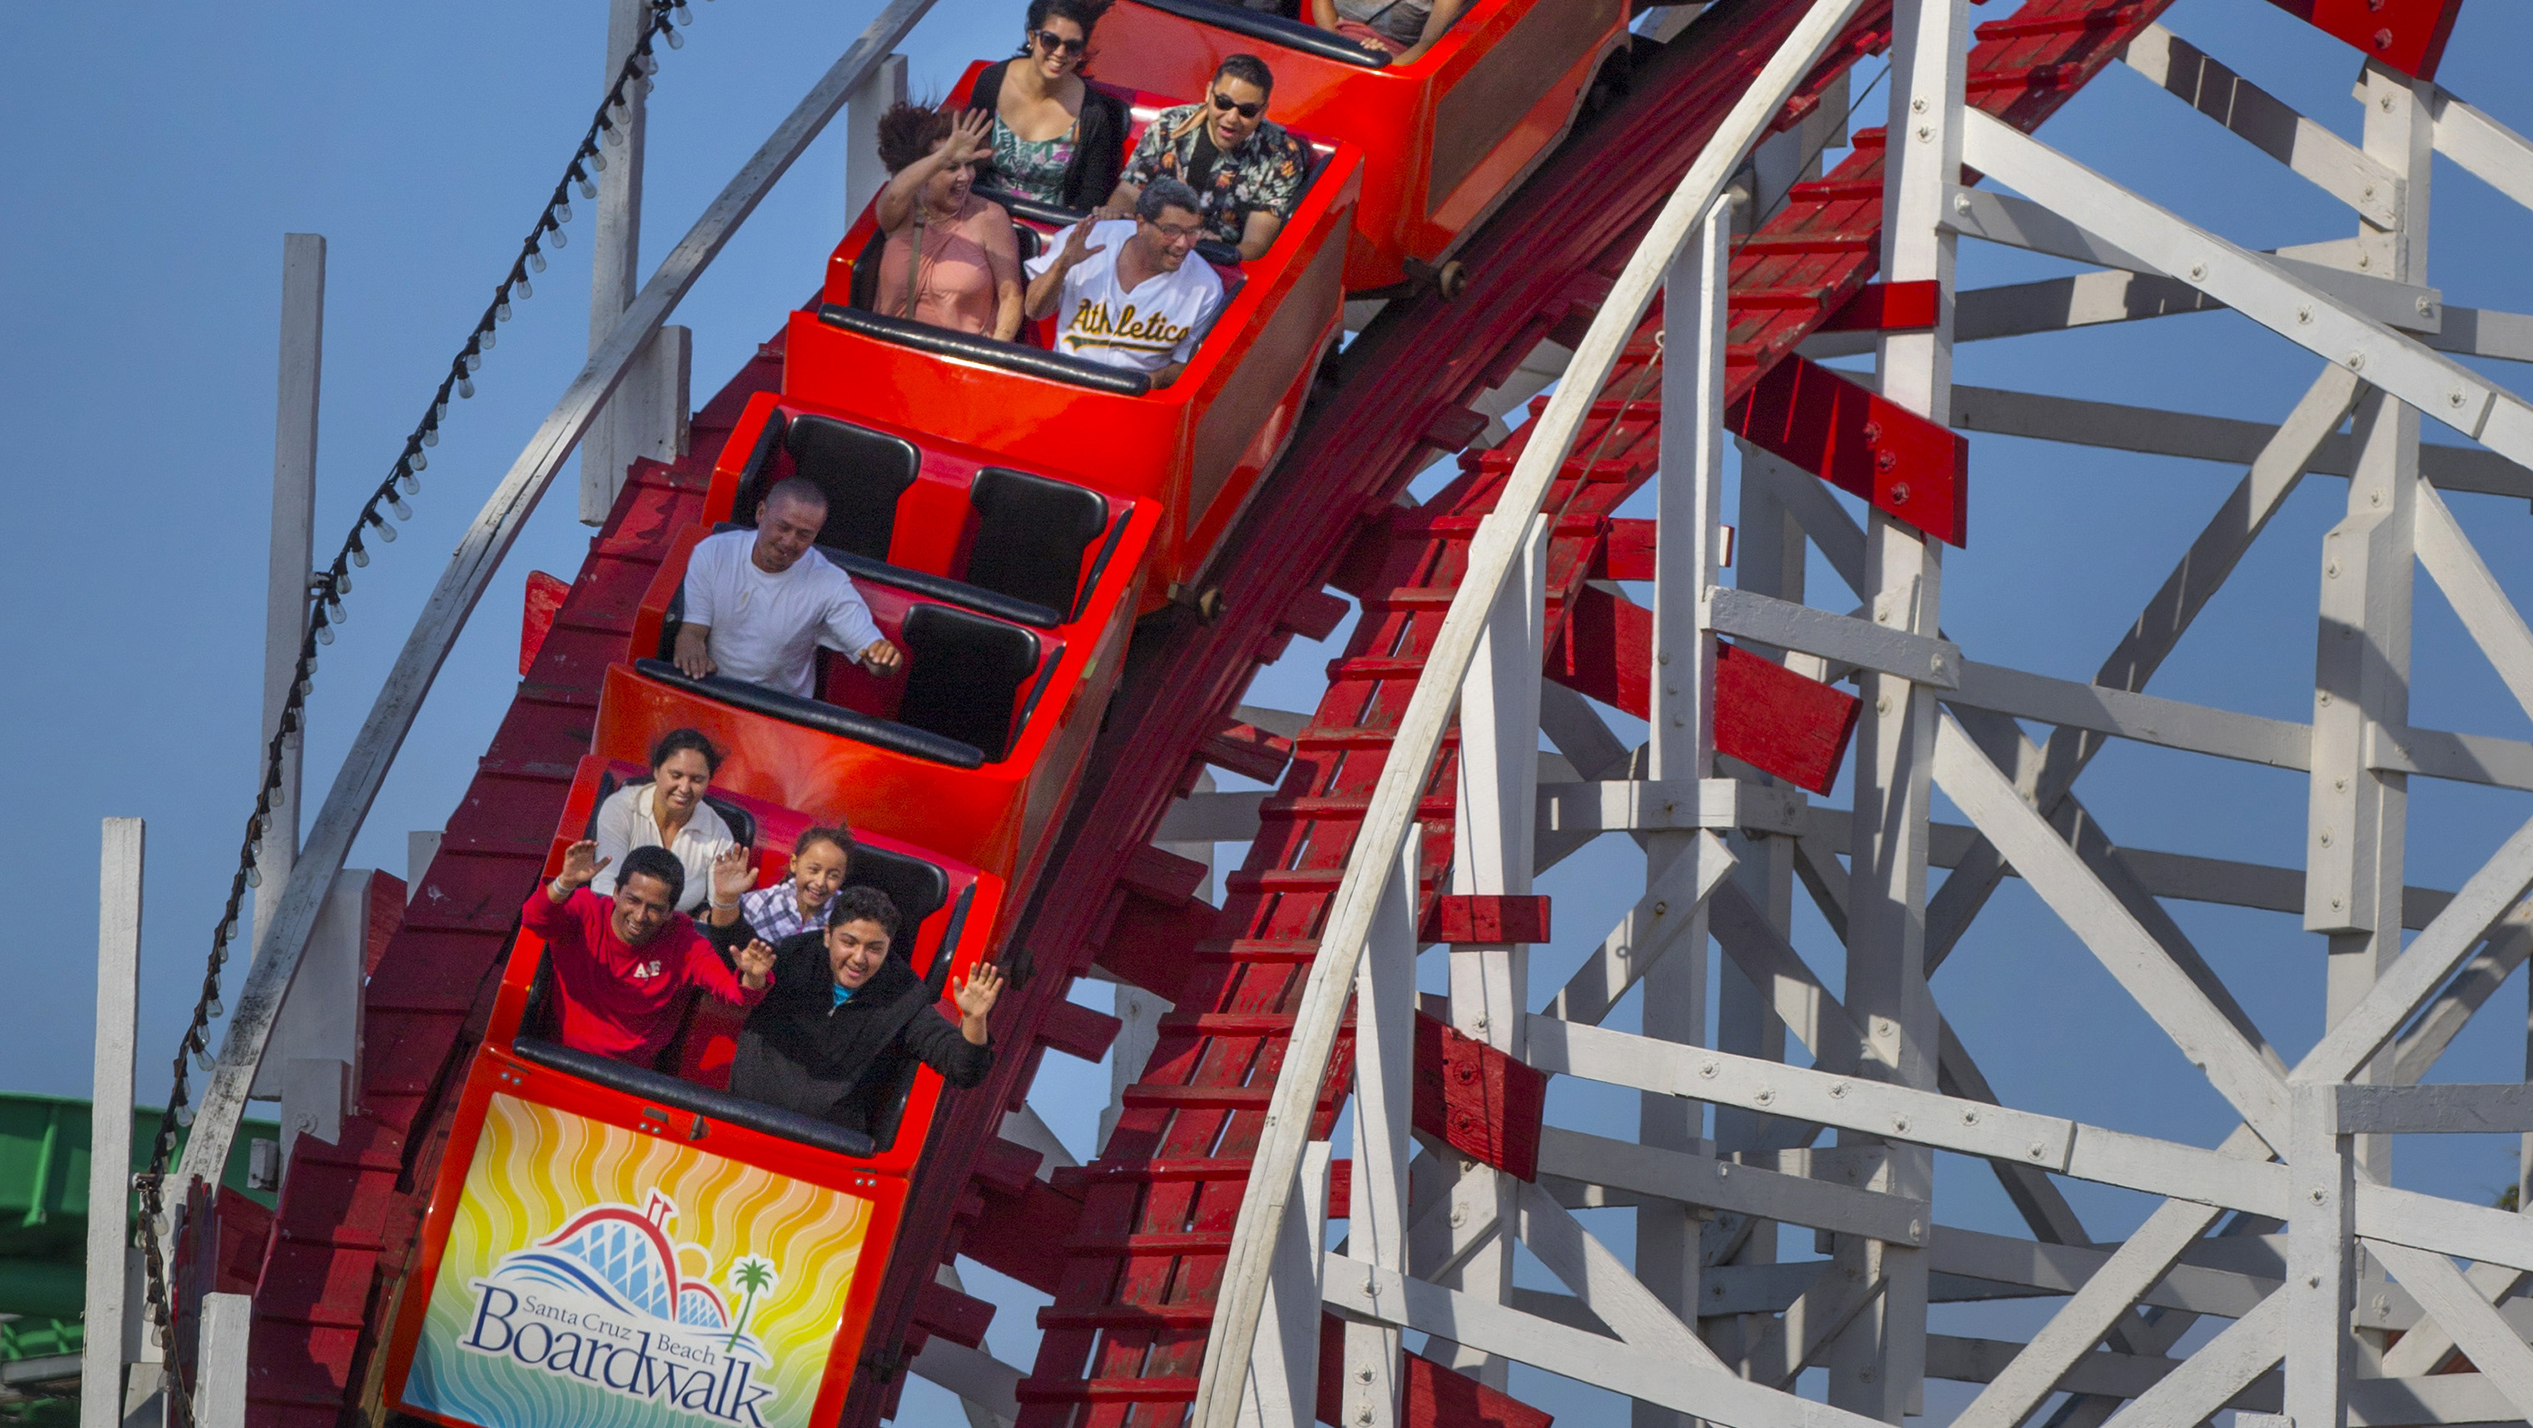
(1056, 139)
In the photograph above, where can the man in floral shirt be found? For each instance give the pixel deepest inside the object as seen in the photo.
(1247, 172)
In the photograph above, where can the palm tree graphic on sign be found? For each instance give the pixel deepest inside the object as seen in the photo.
(751, 1275)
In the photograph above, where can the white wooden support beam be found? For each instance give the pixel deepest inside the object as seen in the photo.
(1284, 1366)
(2125, 949)
(1494, 551)
(1865, 644)
(1670, 805)
(2331, 163)
(2210, 1378)
(1658, 921)
(615, 259)
(2493, 620)
(2494, 153)
(2322, 1262)
(1638, 1169)
(2169, 723)
(2158, 432)
(2494, 1347)
(2503, 1108)
(287, 570)
(1602, 1282)
(2260, 290)
(983, 1383)
(469, 573)
(312, 1060)
(219, 1398)
(1586, 1357)
(1213, 817)
(1384, 1098)
(119, 867)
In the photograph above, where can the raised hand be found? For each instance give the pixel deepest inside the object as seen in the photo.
(976, 993)
(733, 873)
(969, 141)
(1078, 248)
(756, 964)
(580, 864)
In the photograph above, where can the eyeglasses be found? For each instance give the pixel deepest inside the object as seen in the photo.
(1176, 232)
(1224, 103)
(1049, 42)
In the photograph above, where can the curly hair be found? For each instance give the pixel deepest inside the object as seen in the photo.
(909, 131)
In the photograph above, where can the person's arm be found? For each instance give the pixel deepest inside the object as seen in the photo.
(1140, 167)
(743, 988)
(733, 873)
(619, 818)
(850, 624)
(967, 141)
(1101, 157)
(1002, 255)
(962, 1051)
(1437, 20)
(693, 654)
(547, 912)
(1258, 234)
(1046, 289)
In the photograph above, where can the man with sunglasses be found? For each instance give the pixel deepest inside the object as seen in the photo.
(1247, 172)
(1124, 293)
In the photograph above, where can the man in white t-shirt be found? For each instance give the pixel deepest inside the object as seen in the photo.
(759, 604)
(1125, 291)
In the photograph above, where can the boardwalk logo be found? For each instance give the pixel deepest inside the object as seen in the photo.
(602, 1301)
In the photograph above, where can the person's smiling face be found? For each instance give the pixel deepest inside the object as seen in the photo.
(680, 780)
(855, 950)
(785, 530)
(817, 871)
(1231, 127)
(642, 909)
(1057, 47)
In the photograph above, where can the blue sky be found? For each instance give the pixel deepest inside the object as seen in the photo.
(163, 150)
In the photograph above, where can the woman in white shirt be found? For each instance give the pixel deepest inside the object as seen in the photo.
(669, 812)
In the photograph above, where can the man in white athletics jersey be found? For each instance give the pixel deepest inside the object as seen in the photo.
(1127, 294)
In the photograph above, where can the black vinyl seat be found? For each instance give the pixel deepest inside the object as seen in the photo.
(1030, 535)
(862, 471)
(919, 888)
(964, 675)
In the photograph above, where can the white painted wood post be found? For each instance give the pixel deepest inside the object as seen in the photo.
(1877, 1366)
(1283, 1387)
(1492, 837)
(1688, 530)
(293, 537)
(219, 1399)
(312, 1063)
(864, 174)
(1384, 1108)
(110, 1121)
(615, 270)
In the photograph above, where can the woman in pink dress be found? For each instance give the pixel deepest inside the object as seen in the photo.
(967, 277)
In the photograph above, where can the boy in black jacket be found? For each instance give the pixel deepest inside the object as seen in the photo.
(835, 1032)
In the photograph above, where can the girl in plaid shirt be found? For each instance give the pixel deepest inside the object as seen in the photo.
(821, 857)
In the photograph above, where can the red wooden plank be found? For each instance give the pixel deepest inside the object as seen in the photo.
(1874, 449)
(1431, 1396)
(1886, 307)
(960, 1318)
(536, 615)
(1474, 917)
(1480, 1101)
(2408, 35)
(1078, 1031)
(1024, 1235)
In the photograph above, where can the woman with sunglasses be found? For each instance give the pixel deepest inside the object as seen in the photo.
(951, 259)
(1055, 138)
(1247, 172)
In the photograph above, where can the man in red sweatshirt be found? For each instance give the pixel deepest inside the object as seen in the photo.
(624, 968)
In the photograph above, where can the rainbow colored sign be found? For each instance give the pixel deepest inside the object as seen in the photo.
(599, 1278)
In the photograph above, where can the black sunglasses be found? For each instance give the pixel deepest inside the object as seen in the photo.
(1052, 43)
(1224, 102)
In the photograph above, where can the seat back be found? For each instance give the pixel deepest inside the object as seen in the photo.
(862, 471)
(1030, 535)
(963, 676)
(917, 887)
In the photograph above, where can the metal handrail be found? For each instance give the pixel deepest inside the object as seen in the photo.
(1240, 1301)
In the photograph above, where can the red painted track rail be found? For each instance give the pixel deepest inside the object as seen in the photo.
(1125, 1335)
